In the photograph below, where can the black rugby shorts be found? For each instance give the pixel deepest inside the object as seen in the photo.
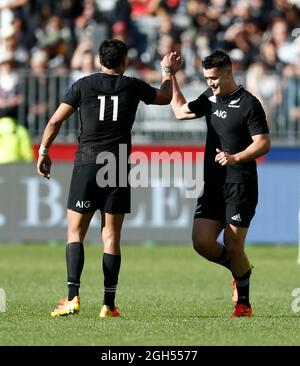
(85, 195)
(231, 203)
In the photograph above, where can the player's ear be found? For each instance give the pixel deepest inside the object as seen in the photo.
(228, 71)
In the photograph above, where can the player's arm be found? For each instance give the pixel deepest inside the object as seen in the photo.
(164, 93)
(179, 104)
(53, 126)
(260, 146)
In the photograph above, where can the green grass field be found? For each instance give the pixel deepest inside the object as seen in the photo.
(167, 295)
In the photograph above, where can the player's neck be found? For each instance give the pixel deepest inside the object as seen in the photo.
(116, 71)
(231, 89)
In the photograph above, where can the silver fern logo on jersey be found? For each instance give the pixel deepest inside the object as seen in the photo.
(233, 103)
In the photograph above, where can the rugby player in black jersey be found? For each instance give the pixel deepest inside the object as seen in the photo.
(237, 134)
(107, 102)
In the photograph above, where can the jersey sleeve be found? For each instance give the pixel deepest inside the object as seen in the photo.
(200, 106)
(72, 97)
(144, 91)
(256, 119)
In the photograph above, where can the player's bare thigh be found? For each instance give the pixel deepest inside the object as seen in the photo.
(206, 231)
(78, 224)
(234, 237)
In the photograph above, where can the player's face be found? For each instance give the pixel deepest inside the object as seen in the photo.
(217, 80)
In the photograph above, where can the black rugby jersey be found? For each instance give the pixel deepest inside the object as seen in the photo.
(231, 121)
(107, 107)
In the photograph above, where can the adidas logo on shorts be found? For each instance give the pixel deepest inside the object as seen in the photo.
(236, 217)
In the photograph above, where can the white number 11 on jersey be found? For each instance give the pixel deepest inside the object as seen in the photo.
(115, 100)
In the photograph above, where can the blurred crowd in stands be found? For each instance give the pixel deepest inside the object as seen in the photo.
(261, 36)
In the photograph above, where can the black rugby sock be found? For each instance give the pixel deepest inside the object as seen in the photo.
(242, 285)
(111, 267)
(75, 262)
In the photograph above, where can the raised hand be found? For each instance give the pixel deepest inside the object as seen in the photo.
(172, 62)
(177, 62)
(167, 61)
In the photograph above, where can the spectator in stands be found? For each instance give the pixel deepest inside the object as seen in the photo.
(10, 43)
(263, 79)
(291, 90)
(119, 31)
(7, 8)
(144, 25)
(188, 51)
(10, 96)
(15, 142)
(24, 34)
(82, 62)
(167, 7)
(266, 86)
(114, 11)
(269, 57)
(91, 26)
(140, 8)
(166, 44)
(237, 57)
(237, 37)
(280, 37)
(39, 90)
(55, 38)
(260, 30)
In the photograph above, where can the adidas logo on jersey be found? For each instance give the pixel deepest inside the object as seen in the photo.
(236, 217)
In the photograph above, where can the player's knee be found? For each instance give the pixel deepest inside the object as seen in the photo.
(198, 244)
(110, 237)
(234, 249)
(75, 234)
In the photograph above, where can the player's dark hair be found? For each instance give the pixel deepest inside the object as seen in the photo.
(112, 53)
(218, 59)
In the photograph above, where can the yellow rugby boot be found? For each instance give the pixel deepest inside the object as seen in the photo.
(106, 312)
(66, 307)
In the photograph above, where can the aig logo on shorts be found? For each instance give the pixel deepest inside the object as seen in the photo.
(221, 114)
(83, 204)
